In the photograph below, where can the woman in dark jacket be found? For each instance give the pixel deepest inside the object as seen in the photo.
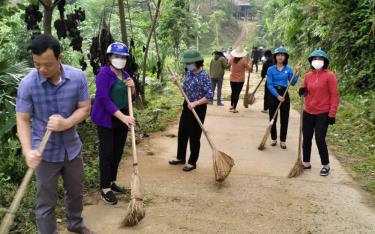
(110, 114)
(198, 88)
(268, 63)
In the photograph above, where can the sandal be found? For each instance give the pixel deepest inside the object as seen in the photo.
(306, 165)
(176, 162)
(189, 168)
(325, 171)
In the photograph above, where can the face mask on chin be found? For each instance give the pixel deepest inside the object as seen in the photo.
(317, 64)
(118, 63)
(191, 67)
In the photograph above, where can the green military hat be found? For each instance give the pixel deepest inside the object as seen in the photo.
(191, 56)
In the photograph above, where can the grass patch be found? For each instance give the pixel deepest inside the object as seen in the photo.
(354, 137)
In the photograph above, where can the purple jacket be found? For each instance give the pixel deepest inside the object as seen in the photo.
(103, 108)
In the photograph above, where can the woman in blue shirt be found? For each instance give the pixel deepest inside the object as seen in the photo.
(198, 88)
(278, 78)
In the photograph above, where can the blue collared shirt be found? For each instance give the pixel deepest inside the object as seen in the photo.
(40, 98)
(197, 86)
(279, 78)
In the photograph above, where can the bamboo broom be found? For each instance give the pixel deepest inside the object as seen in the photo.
(246, 97)
(298, 166)
(222, 163)
(251, 100)
(9, 217)
(136, 210)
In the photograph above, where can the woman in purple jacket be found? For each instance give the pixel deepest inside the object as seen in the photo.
(110, 114)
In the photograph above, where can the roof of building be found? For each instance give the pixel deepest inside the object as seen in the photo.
(241, 2)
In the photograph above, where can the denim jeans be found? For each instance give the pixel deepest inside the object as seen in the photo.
(219, 82)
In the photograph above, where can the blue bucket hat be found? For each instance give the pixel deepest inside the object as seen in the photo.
(318, 53)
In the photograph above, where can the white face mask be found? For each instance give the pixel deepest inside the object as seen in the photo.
(191, 67)
(317, 64)
(118, 63)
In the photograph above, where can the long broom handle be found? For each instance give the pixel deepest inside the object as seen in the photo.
(248, 84)
(194, 113)
(256, 88)
(134, 146)
(9, 217)
(300, 128)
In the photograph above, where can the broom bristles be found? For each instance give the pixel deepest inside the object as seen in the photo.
(136, 210)
(223, 164)
(246, 101)
(262, 144)
(252, 99)
(135, 213)
(296, 170)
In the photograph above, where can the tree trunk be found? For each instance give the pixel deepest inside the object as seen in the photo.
(47, 16)
(217, 34)
(124, 34)
(160, 67)
(154, 20)
(197, 43)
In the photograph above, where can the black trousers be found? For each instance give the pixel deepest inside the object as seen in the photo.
(266, 97)
(236, 91)
(111, 146)
(189, 130)
(255, 62)
(319, 125)
(284, 114)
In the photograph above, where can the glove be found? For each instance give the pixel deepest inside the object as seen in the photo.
(331, 120)
(302, 91)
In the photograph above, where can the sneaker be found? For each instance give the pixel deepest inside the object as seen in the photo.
(220, 104)
(282, 145)
(115, 188)
(325, 171)
(273, 143)
(109, 198)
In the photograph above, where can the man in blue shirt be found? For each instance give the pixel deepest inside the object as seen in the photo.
(54, 97)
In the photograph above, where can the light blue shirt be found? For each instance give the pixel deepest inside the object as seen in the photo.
(279, 78)
(40, 98)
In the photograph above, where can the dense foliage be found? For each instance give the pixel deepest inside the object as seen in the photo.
(344, 28)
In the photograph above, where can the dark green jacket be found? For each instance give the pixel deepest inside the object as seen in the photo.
(217, 67)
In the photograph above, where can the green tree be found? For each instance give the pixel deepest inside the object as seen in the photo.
(216, 20)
